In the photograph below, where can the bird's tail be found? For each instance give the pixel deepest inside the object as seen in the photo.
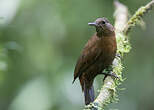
(88, 89)
(89, 94)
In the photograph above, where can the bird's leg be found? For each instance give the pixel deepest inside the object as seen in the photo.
(108, 72)
(111, 74)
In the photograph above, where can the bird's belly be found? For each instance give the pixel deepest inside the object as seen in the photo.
(103, 62)
(93, 70)
(106, 60)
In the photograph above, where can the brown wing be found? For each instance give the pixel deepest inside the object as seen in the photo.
(88, 57)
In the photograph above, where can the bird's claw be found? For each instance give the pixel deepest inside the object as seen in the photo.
(118, 55)
(112, 74)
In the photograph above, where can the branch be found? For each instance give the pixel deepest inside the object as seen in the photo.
(136, 18)
(122, 25)
(120, 15)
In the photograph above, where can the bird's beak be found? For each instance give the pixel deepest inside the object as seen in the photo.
(92, 24)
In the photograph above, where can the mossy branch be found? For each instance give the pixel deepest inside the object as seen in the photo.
(122, 26)
(137, 17)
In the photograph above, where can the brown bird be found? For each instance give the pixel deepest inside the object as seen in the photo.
(97, 55)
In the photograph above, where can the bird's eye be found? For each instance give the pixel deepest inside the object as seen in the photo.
(103, 22)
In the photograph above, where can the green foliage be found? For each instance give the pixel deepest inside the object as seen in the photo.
(3, 64)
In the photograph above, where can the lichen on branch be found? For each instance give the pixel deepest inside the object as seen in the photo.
(137, 17)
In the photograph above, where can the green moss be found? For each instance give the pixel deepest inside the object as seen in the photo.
(123, 46)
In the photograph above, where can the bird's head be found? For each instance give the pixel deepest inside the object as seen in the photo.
(103, 27)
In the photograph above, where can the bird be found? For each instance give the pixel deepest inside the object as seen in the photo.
(97, 55)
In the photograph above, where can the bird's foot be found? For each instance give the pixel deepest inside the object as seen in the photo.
(118, 55)
(112, 74)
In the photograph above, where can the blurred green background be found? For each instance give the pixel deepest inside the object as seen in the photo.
(40, 41)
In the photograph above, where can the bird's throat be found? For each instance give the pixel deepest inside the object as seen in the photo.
(105, 34)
